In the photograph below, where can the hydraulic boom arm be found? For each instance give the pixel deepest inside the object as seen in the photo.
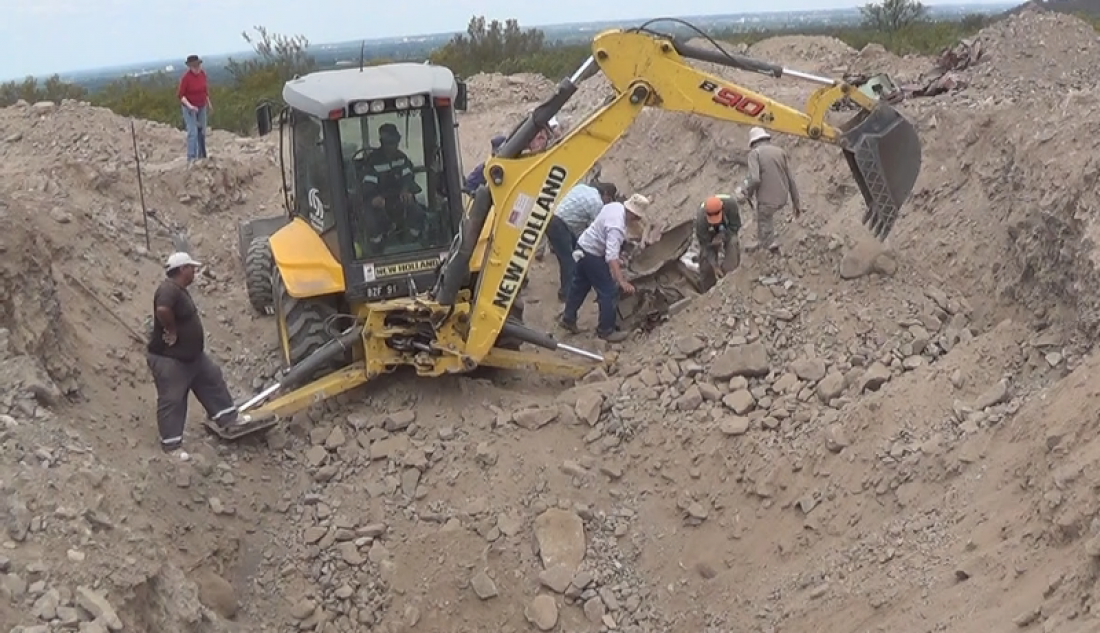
(880, 146)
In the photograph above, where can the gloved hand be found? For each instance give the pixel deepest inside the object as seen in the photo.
(739, 195)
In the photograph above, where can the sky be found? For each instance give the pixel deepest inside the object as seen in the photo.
(39, 37)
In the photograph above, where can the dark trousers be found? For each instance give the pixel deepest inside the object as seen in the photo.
(708, 258)
(593, 273)
(562, 243)
(175, 380)
(396, 222)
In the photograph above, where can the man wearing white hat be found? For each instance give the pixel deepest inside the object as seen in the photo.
(771, 182)
(177, 356)
(598, 266)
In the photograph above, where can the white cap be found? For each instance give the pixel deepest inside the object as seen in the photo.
(179, 260)
(637, 204)
(758, 134)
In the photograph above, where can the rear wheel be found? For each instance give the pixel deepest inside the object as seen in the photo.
(302, 324)
(258, 266)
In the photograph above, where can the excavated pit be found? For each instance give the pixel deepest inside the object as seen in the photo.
(875, 435)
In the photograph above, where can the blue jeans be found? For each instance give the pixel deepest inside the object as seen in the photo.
(593, 273)
(562, 243)
(195, 122)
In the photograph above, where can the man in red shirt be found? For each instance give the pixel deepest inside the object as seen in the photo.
(194, 99)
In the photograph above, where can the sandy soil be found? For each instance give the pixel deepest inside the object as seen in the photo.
(908, 447)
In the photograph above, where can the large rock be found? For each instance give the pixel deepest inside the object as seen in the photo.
(560, 538)
(809, 369)
(217, 594)
(542, 611)
(97, 605)
(741, 360)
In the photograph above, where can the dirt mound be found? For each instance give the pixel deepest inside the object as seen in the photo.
(860, 439)
(91, 535)
(1030, 53)
(809, 51)
(867, 434)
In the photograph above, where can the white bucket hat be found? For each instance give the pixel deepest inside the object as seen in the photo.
(637, 204)
(758, 134)
(179, 260)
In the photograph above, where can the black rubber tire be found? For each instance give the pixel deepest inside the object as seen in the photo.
(259, 264)
(304, 321)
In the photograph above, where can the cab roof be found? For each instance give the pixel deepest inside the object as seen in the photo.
(321, 92)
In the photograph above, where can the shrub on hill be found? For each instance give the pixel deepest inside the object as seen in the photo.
(30, 90)
(901, 26)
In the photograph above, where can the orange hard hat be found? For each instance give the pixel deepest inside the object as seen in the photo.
(713, 208)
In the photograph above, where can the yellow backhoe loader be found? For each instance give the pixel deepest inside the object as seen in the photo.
(380, 264)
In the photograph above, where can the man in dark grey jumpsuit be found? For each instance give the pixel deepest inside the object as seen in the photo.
(177, 357)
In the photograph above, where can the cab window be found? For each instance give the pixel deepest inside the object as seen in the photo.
(312, 197)
(395, 182)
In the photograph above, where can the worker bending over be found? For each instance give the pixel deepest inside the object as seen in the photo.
(770, 181)
(598, 266)
(717, 223)
(575, 213)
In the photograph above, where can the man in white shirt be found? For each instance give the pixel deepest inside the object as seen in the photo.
(599, 268)
(576, 211)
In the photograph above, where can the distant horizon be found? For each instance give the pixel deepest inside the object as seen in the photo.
(330, 41)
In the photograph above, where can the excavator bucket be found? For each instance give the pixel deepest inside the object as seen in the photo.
(884, 153)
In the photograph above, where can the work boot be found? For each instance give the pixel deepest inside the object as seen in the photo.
(617, 336)
(172, 447)
(567, 326)
(227, 418)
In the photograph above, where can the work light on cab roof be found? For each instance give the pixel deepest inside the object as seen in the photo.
(333, 94)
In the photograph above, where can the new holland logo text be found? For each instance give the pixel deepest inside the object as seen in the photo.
(406, 267)
(529, 236)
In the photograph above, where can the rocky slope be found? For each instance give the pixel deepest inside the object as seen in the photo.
(840, 439)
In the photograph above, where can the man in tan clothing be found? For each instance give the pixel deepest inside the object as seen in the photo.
(771, 182)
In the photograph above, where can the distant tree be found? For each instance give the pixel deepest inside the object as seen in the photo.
(893, 15)
(279, 58)
(486, 46)
(284, 55)
(974, 22)
(29, 90)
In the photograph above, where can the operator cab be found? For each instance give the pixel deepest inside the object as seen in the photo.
(375, 170)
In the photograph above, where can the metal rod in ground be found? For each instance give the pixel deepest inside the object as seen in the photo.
(141, 186)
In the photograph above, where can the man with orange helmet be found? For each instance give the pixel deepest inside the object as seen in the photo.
(717, 223)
